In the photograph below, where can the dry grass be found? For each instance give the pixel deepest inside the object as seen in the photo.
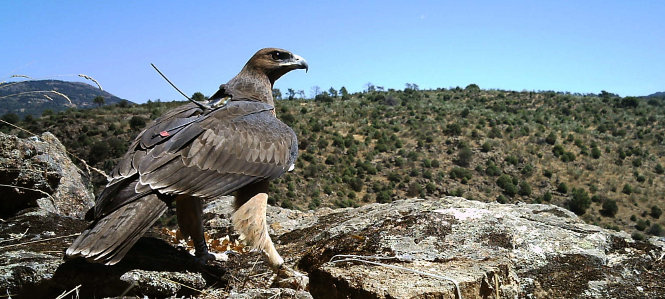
(91, 79)
(39, 91)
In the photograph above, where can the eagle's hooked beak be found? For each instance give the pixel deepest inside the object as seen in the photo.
(296, 62)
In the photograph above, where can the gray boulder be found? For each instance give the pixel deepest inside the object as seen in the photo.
(36, 175)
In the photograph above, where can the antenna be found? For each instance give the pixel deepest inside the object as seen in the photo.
(202, 106)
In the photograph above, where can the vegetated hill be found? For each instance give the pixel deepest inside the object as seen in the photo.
(30, 97)
(660, 94)
(599, 156)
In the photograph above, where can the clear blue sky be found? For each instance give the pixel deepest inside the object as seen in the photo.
(575, 46)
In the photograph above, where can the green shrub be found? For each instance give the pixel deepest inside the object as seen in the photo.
(137, 122)
(659, 169)
(460, 173)
(641, 225)
(511, 160)
(492, 169)
(525, 189)
(551, 138)
(562, 187)
(558, 150)
(638, 236)
(580, 201)
(656, 230)
(505, 182)
(655, 212)
(610, 208)
(627, 189)
(487, 146)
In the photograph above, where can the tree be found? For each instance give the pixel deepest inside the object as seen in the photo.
(369, 87)
(345, 93)
(472, 88)
(291, 94)
(301, 94)
(580, 201)
(323, 97)
(316, 90)
(411, 87)
(276, 94)
(99, 100)
(197, 96)
(332, 92)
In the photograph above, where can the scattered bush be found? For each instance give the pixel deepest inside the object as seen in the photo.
(580, 201)
(610, 208)
(562, 187)
(505, 182)
(525, 189)
(460, 173)
(464, 157)
(656, 230)
(627, 189)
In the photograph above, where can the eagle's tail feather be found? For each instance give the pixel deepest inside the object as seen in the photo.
(109, 239)
(250, 221)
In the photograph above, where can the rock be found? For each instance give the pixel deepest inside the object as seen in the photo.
(265, 294)
(490, 250)
(37, 175)
(163, 283)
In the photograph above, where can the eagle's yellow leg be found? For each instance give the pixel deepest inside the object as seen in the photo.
(189, 211)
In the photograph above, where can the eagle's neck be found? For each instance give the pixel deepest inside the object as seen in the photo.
(251, 84)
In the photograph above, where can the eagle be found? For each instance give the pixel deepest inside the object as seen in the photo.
(233, 144)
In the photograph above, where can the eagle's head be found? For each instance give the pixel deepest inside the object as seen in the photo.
(274, 63)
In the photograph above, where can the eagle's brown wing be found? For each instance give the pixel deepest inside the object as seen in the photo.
(189, 152)
(205, 155)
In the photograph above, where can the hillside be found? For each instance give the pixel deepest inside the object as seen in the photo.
(600, 156)
(23, 100)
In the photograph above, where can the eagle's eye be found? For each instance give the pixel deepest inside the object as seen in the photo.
(279, 55)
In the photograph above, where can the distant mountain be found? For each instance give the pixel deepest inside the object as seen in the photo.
(32, 97)
(660, 94)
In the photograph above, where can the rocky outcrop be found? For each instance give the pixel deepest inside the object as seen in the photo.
(416, 248)
(37, 175)
(422, 248)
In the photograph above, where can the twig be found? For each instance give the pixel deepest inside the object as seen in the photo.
(244, 282)
(17, 238)
(91, 79)
(67, 293)
(131, 286)
(39, 241)
(362, 259)
(31, 189)
(204, 107)
(39, 91)
(184, 285)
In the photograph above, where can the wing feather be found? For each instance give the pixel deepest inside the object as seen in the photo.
(226, 149)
